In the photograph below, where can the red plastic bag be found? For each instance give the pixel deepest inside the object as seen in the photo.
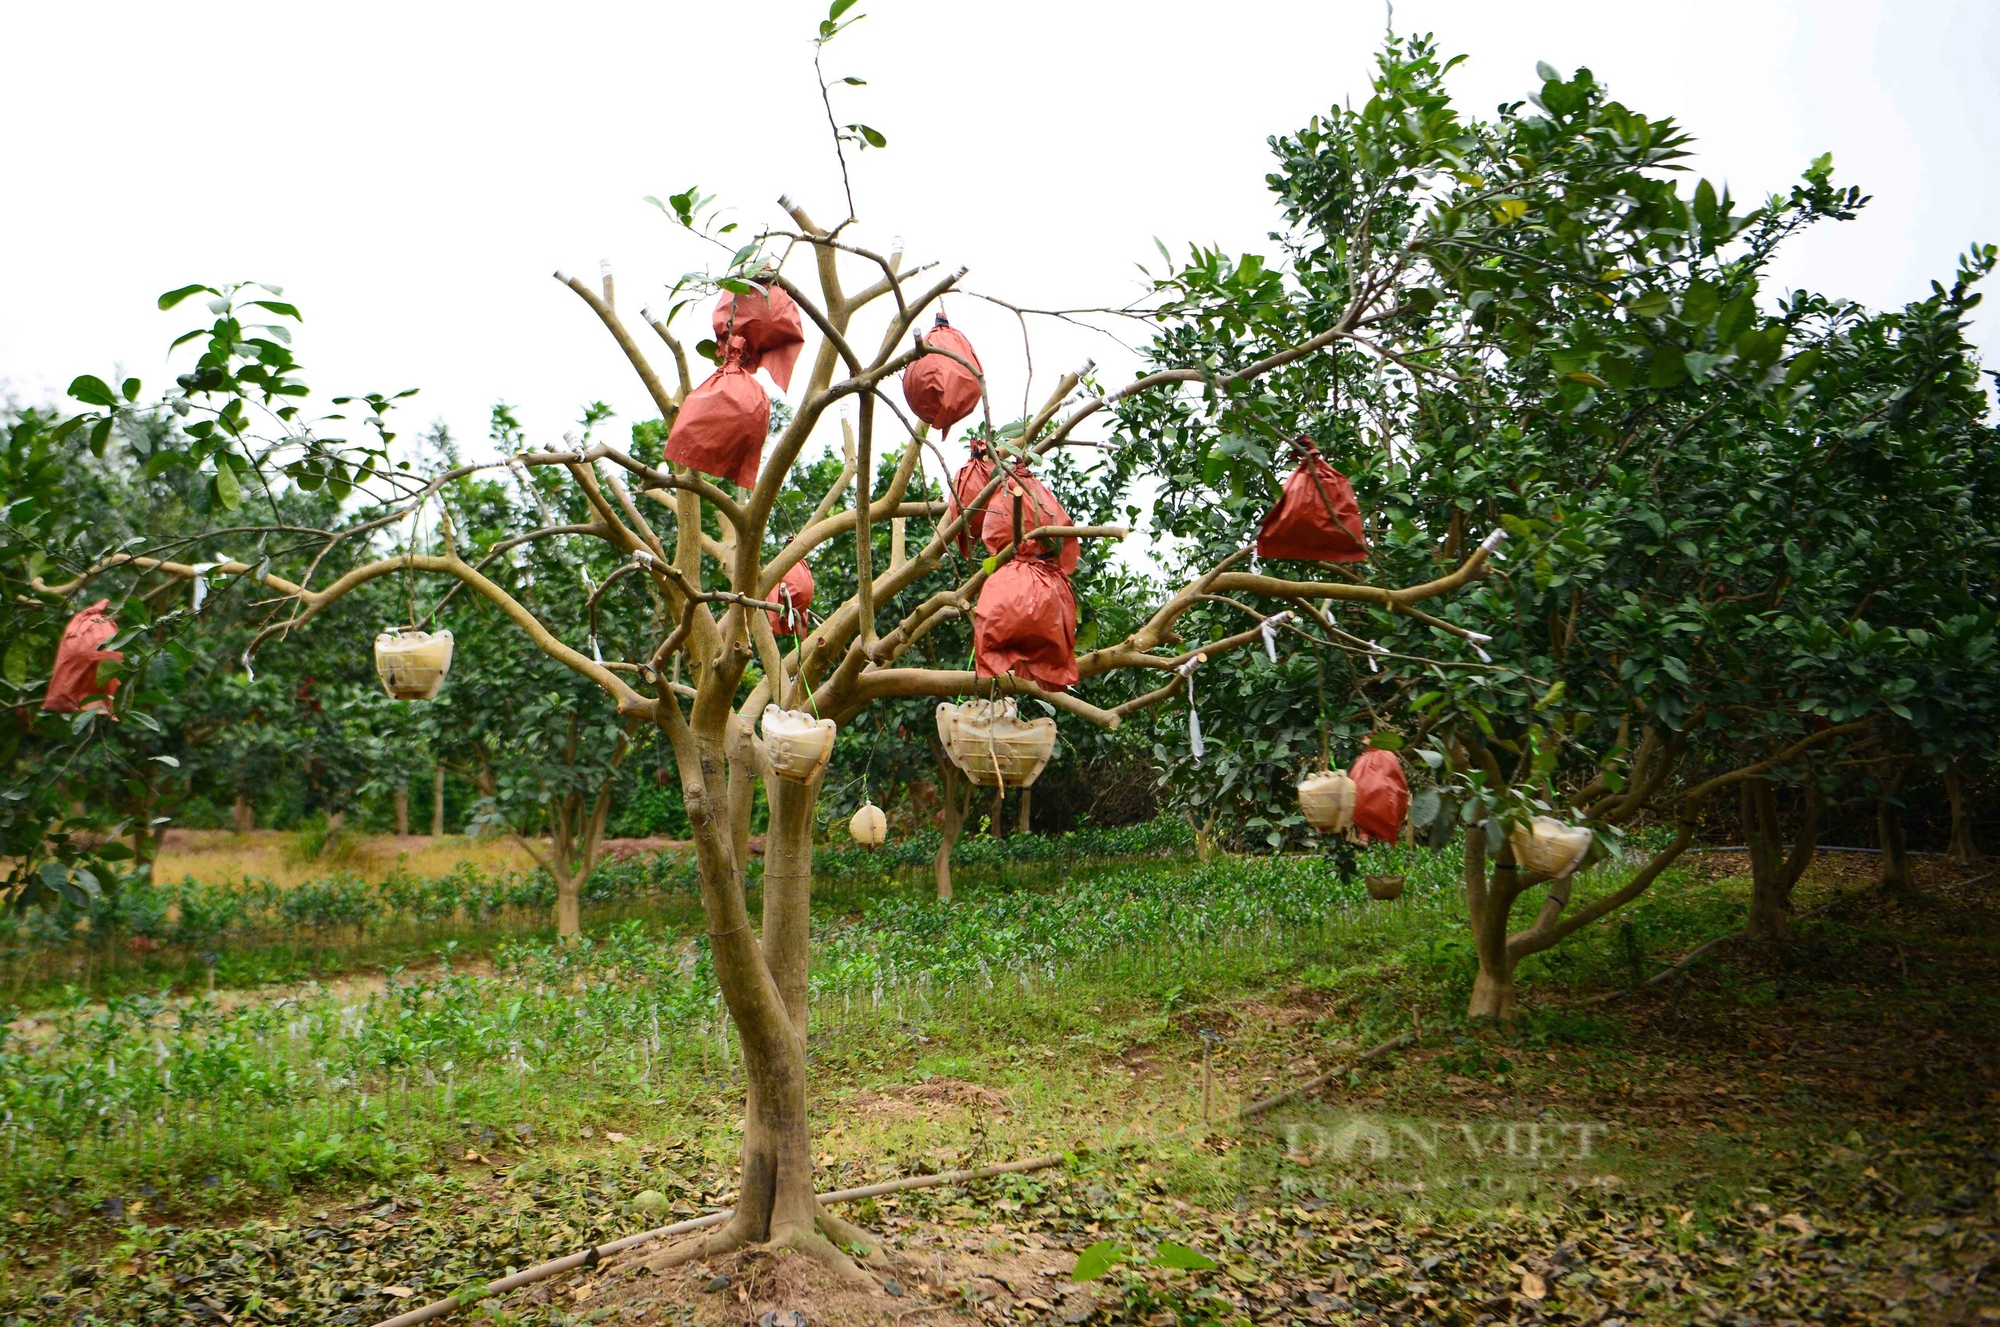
(795, 591)
(1381, 795)
(721, 427)
(1317, 519)
(73, 684)
(768, 322)
(940, 390)
(965, 488)
(1039, 507)
(1025, 624)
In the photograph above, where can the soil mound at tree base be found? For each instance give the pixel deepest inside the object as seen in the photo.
(941, 1281)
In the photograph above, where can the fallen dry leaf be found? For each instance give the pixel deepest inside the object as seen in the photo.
(399, 1292)
(1796, 1222)
(1533, 1286)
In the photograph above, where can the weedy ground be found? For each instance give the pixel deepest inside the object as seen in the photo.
(1796, 1134)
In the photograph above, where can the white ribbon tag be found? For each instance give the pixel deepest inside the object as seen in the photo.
(1186, 670)
(248, 671)
(1492, 542)
(593, 648)
(200, 590)
(1269, 626)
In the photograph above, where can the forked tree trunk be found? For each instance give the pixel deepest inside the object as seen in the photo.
(1490, 896)
(437, 803)
(242, 814)
(1963, 850)
(1773, 873)
(1489, 902)
(576, 838)
(402, 809)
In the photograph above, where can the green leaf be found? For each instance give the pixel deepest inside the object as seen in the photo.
(130, 388)
(15, 666)
(1552, 696)
(1386, 741)
(1424, 807)
(1181, 1256)
(92, 390)
(173, 297)
(227, 491)
(990, 565)
(280, 308)
(1651, 304)
(840, 7)
(1096, 1260)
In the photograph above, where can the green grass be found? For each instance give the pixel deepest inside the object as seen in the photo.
(1055, 1005)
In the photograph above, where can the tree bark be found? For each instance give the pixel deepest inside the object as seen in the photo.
(1895, 845)
(1021, 826)
(954, 805)
(402, 809)
(242, 814)
(437, 803)
(1891, 834)
(1963, 850)
(1773, 873)
(1489, 902)
(997, 823)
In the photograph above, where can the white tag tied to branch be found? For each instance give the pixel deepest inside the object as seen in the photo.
(201, 570)
(1186, 670)
(594, 652)
(1491, 543)
(1374, 648)
(1477, 639)
(1269, 626)
(643, 558)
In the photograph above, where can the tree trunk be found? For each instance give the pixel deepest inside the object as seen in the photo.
(1489, 900)
(1963, 851)
(437, 803)
(1895, 844)
(569, 902)
(402, 809)
(336, 821)
(954, 804)
(242, 814)
(1774, 874)
(764, 986)
(997, 824)
(1027, 799)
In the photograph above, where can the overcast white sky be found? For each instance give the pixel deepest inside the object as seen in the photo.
(411, 173)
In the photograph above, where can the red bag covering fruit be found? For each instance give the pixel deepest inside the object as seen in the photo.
(965, 487)
(1025, 624)
(1381, 795)
(1317, 518)
(795, 591)
(721, 427)
(1039, 507)
(939, 389)
(768, 322)
(73, 684)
